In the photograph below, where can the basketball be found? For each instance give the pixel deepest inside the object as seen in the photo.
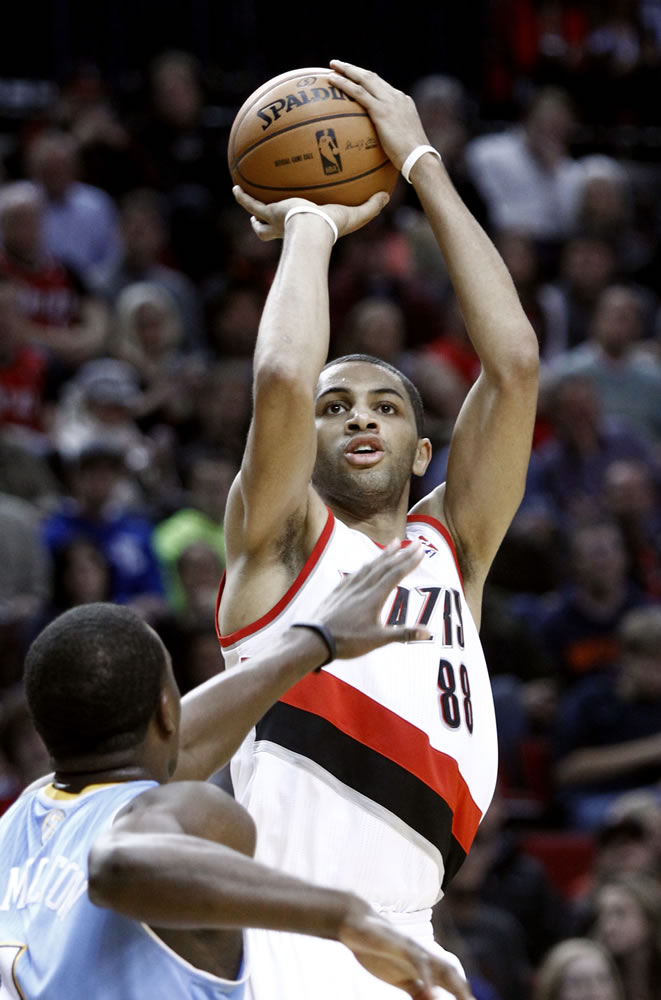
(297, 136)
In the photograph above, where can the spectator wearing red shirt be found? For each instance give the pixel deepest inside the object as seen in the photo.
(22, 369)
(60, 315)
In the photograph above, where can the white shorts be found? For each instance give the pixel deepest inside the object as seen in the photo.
(287, 966)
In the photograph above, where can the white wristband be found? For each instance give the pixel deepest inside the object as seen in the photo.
(413, 158)
(312, 210)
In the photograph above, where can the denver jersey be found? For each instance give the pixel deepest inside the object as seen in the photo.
(373, 774)
(54, 943)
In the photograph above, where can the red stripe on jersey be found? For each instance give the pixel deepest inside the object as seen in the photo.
(443, 531)
(372, 724)
(310, 562)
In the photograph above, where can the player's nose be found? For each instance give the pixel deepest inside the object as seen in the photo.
(361, 418)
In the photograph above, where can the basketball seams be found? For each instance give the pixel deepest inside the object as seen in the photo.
(256, 98)
(341, 141)
(315, 187)
(290, 128)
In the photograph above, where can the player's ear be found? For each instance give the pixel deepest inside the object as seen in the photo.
(422, 457)
(167, 712)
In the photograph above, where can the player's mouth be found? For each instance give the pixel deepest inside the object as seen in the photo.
(364, 450)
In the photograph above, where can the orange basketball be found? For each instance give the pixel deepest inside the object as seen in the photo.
(298, 136)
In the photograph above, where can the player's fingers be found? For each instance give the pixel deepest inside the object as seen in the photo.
(263, 229)
(257, 208)
(364, 77)
(446, 975)
(350, 88)
(400, 633)
(368, 210)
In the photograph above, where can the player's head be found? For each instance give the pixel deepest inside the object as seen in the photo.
(95, 678)
(370, 426)
(411, 390)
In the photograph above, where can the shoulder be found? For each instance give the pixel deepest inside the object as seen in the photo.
(196, 808)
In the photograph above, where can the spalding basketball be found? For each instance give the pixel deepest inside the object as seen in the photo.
(297, 136)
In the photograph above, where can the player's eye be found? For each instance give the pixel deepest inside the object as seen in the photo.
(335, 406)
(386, 407)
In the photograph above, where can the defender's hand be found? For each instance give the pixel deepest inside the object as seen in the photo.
(394, 113)
(352, 611)
(268, 221)
(398, 960)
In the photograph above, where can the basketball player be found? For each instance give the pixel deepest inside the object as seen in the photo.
(375, 776)
(167, 864)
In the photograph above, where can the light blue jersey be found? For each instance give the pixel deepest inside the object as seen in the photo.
(54, 943)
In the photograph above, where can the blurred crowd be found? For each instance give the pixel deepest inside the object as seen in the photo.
(131, 289)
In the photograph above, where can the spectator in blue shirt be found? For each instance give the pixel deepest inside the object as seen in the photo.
(123, 535)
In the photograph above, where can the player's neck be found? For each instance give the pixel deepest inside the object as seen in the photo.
(74, 774)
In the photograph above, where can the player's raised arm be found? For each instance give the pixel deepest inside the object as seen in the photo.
(291, 348)
(491, 443)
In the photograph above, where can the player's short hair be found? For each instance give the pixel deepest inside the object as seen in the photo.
(93, 679)
(411, 390)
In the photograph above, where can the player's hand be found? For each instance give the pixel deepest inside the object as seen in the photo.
(268, 221)
(352, 611)
(398, 960)
(394, 113)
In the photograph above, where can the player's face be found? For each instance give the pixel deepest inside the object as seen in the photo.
(367, 441)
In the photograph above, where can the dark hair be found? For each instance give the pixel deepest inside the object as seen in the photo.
(411, 391)
(93, 678)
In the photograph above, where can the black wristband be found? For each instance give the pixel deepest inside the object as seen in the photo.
(323, 632)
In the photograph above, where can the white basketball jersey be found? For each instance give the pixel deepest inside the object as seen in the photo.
(373, 774)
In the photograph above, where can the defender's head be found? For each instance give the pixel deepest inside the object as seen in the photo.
(97, 679)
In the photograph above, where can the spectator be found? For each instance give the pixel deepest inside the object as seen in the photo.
(627, 921)
(22, 370)
(568, 472)
(518, 883)
(578, 622)
(493, 936)
(199, 519)
(233, 314)
(587, 265)
(148, 333)
(80, 574)
(644, 807)
(541, 301)
(145, 257)
(578, 969)
(87, 108)
(632, 497)
(23, 756)
(624, 842)
(629, 385)
(376, 326)
(81, 222)
(124, 537)
(448, 118)
(100, 403)
(606, 739)
(24, 581)
(527, 174)
(221, 409)
(26, 472)
(184, 152)
(607, 210)
(59, 313)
